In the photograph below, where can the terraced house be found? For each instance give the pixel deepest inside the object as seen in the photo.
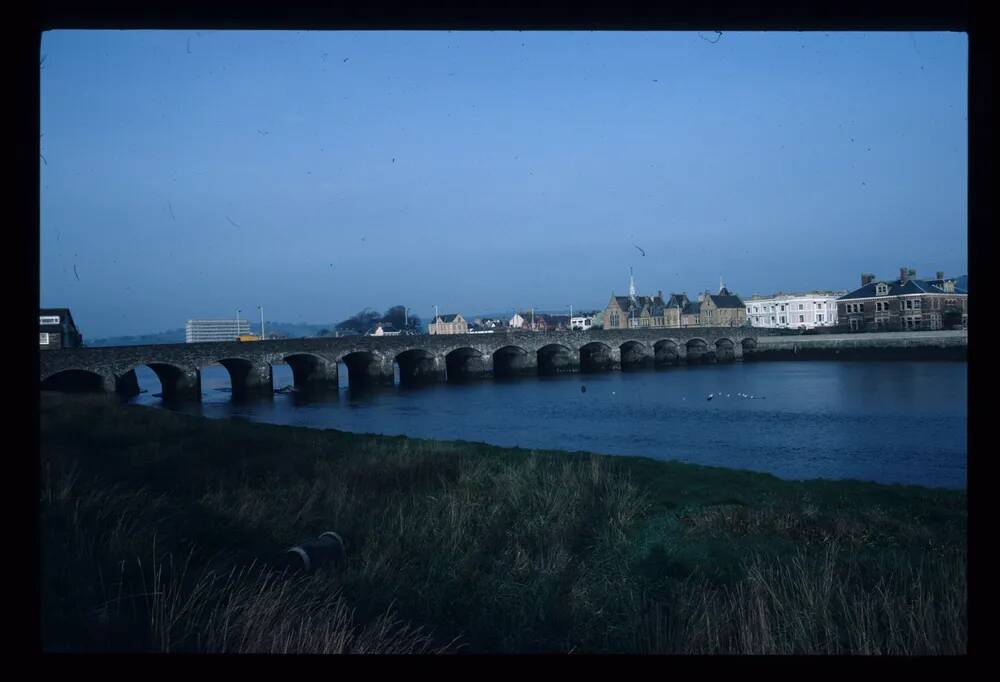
(904, 303)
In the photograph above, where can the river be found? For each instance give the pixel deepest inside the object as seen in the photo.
(889, 422)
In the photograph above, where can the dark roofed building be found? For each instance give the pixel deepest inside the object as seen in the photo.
(904, 303)
(691, 314)
(723, 309)
(57, 329)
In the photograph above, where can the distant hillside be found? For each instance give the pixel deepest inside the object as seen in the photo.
(169, 336)
(293, 330)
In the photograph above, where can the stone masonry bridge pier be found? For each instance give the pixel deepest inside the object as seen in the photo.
(372, 360)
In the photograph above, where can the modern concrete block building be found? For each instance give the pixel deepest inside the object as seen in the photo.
(200, 331)
(807, 310)
(56, 329)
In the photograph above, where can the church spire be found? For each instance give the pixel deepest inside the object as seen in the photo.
(721, 285)
(631, 285)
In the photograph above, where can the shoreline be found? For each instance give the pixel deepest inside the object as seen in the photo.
(482, 548)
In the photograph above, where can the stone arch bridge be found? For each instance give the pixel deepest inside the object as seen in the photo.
(372, 360)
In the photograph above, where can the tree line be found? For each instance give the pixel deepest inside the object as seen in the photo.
(368, 318)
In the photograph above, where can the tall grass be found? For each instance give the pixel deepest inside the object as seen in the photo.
(817, 605)
(161, 532)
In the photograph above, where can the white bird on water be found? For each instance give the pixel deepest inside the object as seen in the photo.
(710, 396)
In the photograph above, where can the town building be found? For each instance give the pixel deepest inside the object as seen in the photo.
(634, 311)
(56, 329)
(723, 309)
(582, 322)
(691, 314)
(448, 324)
(202, 331)
(794, 311)
(516, 322)
(904, 303)
(384, 329)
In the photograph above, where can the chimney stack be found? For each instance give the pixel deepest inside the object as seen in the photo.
(904, 275)
(939, 275)
(659, 293)
(867, 278)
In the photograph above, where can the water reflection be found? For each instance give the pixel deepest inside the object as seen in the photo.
(889, 422)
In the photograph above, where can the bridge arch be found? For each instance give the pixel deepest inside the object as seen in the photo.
(666, 352)
(556, 358)
(749, 345)
(74, 381)
(463, 364)
(367, 368)
(697, 350)
(513, 361)
(419, 366)
(725, 350)
(311, 371)
(248, 378)
(597, 356)
(635, 355)
(177, 382)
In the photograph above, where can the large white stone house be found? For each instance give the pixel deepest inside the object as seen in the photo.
(794, 311)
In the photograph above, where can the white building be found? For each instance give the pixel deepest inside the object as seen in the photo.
(794, 311)
(384, 330)
(583, 322)
(200, 331)
(516, 322)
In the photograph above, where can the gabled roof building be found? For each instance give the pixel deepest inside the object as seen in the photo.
(904, 303)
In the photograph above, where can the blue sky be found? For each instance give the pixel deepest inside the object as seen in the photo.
(191, 173)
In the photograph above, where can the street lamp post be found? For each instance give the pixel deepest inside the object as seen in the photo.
(261, 309)
(238, 311)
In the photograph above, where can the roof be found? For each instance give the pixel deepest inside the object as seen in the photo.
(677, 301)
(61, 312)
(726, 300)
(448, 318)
(803, 294)
(692, 308)
(898, 288)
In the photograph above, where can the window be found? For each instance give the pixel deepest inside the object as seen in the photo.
(881, 289)
(916, 304)
(800, 306)
(48, 319)
(909, 304)
(802, 318)
(43, 339)
(782, 319)
(819, 317)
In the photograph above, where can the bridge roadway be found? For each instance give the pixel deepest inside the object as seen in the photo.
(370, 359)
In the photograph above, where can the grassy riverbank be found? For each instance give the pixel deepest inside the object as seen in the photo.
(159, 531)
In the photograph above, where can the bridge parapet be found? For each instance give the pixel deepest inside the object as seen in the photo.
(424, 357)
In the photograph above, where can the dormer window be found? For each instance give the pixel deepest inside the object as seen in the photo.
(881, 289)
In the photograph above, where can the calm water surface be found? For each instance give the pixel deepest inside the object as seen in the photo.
(891, 422)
